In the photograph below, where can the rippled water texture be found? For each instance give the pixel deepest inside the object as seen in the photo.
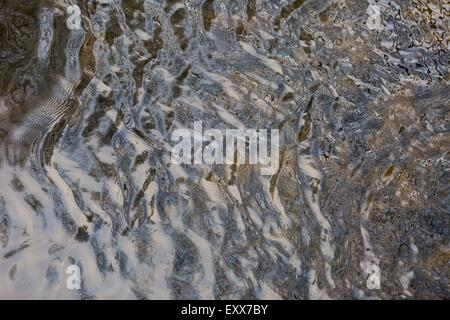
(86, 117)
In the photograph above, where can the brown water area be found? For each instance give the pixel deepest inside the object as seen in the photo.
(358, 209)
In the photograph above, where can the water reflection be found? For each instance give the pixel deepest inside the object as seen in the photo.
(359, 207)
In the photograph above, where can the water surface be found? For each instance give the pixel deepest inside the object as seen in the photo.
(362, 104)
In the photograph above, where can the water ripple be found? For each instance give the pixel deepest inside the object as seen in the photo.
(358, 89)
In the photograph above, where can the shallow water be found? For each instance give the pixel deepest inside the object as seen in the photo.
(361, 99)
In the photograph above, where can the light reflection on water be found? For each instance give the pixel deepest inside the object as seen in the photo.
(359, 207)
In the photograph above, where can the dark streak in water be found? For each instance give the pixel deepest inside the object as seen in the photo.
(286, 12)
(11, 253)
(208, 13)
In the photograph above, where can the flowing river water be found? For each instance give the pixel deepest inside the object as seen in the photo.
(359, 91)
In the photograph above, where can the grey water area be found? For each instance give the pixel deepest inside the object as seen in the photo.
(91, 92)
